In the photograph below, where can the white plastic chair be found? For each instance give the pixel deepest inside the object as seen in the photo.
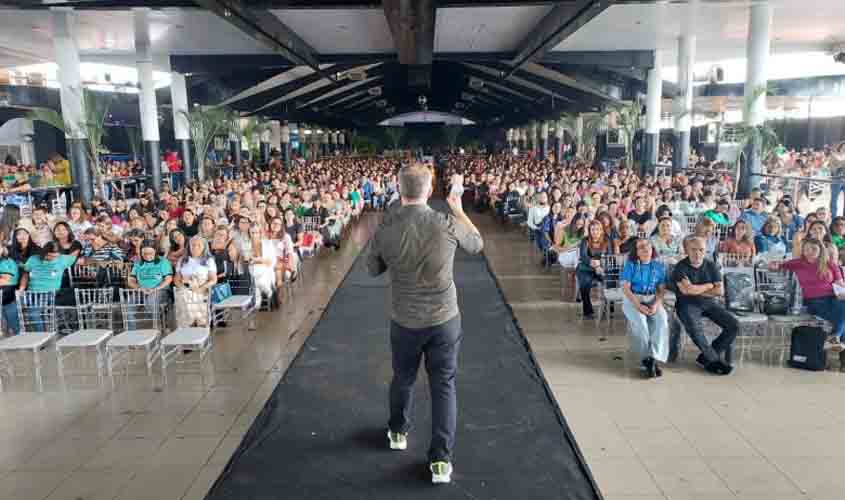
(37, 319)
(246, 304)
(141, 313)
(84, 275)
(186, 340)
(610, 286)
(96, 327)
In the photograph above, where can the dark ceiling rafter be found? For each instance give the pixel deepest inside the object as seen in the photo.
(350, 95)
(412, 24)
(569, 93)
(564, 19)
(266, 28)
(641, 59)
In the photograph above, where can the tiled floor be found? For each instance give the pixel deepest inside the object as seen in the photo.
(766, 431)
(141, 439)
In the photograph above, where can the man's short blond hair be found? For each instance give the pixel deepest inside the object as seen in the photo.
(414, 181)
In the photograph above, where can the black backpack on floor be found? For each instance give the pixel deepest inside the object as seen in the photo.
(807, 349)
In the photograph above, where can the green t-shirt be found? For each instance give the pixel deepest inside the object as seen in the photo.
(837, 240)
(718, 218)
(46, 275)
(10, 267)
(151, 274)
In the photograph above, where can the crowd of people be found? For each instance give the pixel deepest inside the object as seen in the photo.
(253, 228)
(673, 231)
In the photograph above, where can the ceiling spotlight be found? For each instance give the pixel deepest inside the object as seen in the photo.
(423, 102)
(227, 13)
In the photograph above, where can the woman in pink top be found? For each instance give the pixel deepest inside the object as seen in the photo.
(816, 276)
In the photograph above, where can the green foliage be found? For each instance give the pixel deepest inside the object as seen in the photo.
(763, 136)
(254, 127)
(592, 122)
(204, 123)
(628, 121)
(364, 145)
(133, 134)
(451, 134)
(92, 127)
(395, 135)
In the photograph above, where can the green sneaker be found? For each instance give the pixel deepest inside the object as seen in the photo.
(441, 472)
(398, 440)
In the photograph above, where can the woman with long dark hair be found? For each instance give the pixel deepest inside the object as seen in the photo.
(595, 245)
(22, 246)
(64, 238)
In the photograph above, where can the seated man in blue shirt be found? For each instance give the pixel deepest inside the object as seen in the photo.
(756, 216)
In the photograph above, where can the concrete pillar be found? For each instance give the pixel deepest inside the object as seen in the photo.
(579, 135)
(265, 145)
(147, 97)
(757, 60)
(346, 146)
(654, 98)
(544, 139)
(284, 138)
(276, 135)
(559, 136)
(181, 129)
(683, 104)
(71, 93)
(325, 141)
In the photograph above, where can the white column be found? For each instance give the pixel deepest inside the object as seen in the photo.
(66, 55)
(67, 58)
(654, 101)
(684, 102)
(179, 96)
(276, 135)
(757, 60)
(144, 61)
(147, 96)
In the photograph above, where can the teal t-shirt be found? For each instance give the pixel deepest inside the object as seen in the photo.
(46, 275)
(10, 267)
(151, 274)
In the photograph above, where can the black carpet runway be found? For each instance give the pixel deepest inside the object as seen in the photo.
(322, 433)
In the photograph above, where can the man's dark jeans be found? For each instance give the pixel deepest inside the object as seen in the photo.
(691, 315)
(440, 344)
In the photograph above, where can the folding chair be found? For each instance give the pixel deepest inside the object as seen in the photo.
(243, 299)
(96, 327)
(176, 346)
(84, 275)
(37, 319)
(610, 286)
(780, 284)
(141, 312)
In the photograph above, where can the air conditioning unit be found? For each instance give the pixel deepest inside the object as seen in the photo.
(467, 97)
(460, 105)
(390, 110)
(375, 91)
(381, 103)
(715, 74)
(476, 83)
(356, 76)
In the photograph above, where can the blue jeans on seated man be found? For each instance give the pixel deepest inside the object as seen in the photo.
(691, 315)
(440, 345)
(649, 335)
(830, 309)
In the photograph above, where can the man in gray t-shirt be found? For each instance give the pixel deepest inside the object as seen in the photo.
(416, 245)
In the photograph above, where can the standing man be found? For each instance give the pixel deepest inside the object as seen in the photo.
(837, 170)
(417, 245)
